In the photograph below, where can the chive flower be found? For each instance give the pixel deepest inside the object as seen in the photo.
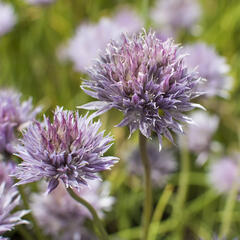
(68, 149)
(14, 115)
(146, 79)
(9, 199)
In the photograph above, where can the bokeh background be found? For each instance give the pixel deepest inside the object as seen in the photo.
(33, 61)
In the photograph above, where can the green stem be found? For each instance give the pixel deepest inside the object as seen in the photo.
(37, 230)
(145, 9)
(96, 219)
(228, 210)
(147, 212)
(183, 188)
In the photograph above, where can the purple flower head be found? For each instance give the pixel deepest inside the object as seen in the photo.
(81, 50)
(210, 66)
(173, 15)
(14, 115)
(223, 174)
(7, 18)
(199, 135)
(62, 217)
(162, 164)
(40, 2)
(68, 149)
(9, 199)
(144, 78)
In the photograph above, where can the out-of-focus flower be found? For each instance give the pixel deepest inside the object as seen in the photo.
(215, 237)
(210, 66)
(223, 173)
(147, 80)
(9, 199)
(199, 134)
(6, 170)
(162, 164)
(63, 218)
(69, 149)
(40, 2)
(173, 15)
(81, 50)
(7, 18)
(14, 115)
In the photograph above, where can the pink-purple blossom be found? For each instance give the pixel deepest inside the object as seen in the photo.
(146, 79)
(69, 149)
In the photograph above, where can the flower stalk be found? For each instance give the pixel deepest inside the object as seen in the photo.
(229, 207)
(183, 188)
(96, 220)
(147, 212)
(37, 229)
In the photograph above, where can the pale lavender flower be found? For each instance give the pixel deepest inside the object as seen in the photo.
(199, 134)
(9, 199)
(63, 218)
(223, 173)
(14, 115)
(40, 2)
(163, 164)
(69, 149)
(215, 237)
(147, 80)
(173, 15)
(6, 170)
(81, 50)
(7, 18)
(210, 66)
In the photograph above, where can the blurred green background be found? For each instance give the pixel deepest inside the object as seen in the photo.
(28, 62)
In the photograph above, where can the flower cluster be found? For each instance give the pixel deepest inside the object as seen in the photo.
(147, 80)
(9, 199)
(173, 15)
(81, 49)
(14, 115)
(7, 18)
(62, 217)
(69, 149)
(210, 66)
